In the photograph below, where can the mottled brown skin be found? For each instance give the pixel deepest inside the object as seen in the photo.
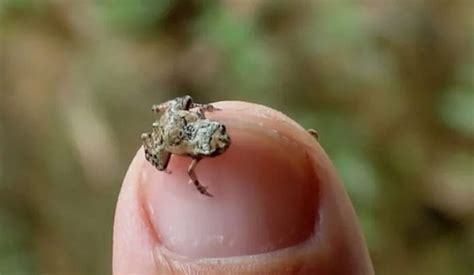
(181, 130)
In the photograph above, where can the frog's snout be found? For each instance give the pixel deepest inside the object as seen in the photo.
(221, 138)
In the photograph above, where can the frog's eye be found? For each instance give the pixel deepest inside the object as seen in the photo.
(187, 101)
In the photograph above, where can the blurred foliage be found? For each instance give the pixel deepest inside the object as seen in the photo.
(388, 84)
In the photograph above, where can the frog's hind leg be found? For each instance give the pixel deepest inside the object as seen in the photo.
(160, 108)
(204, 108)
(193, 178)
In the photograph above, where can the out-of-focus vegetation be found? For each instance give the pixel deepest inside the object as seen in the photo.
(388, 84)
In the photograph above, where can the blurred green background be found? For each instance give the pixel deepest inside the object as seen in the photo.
(389, 85)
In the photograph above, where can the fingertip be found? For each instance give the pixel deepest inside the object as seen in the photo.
(273, 172)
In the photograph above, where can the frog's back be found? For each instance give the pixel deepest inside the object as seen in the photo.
(178, 130)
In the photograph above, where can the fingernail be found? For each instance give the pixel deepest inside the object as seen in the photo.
(264, 198)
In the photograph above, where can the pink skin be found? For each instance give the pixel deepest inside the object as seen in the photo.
(278, 207)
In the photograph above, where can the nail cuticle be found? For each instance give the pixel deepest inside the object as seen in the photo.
(275, 257)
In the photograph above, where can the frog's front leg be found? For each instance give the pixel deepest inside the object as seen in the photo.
(160, 160)
(193, 178)
(157, 157)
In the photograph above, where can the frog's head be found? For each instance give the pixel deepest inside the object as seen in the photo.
(220, 140)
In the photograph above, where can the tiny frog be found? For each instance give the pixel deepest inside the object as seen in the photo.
(183, 129)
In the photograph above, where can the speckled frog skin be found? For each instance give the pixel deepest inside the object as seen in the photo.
(183, 129)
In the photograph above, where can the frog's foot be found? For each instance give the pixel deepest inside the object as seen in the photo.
(201, 188)
(314, 133)
(202, 108)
